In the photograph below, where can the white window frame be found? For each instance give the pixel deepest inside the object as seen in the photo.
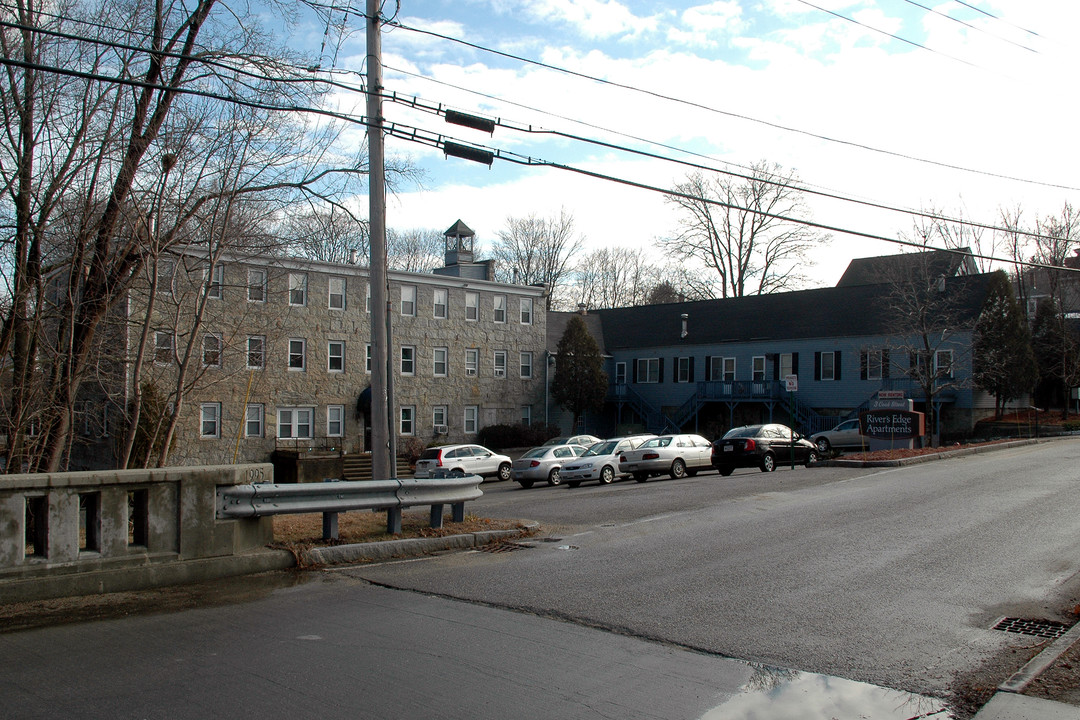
(298, 283)
(828, 365)
(407, 360)
(295, 422)
(210, 421)
(728, 367)
(526, 415)
(498, 307)
(472, 306)
(254, 420)
(335, 300)
(165, 279)
(335, 416)
(297, 349)
(367, 358)
(620, 373)
(164, 352)
(651, 374)
(440, 361)
(682, 370)
(758, 368)
(943, 369)
(439, 415)
(440, 303)
(526, 314)
(499, 363)
(525, 362)
(331, 345)
(788, 360)
(472, 362)
(874, 364)
(256, 287)
(217, 281)
(220, 349)
(260, 351)
(407, 420)
(471, 419)
(408, 300)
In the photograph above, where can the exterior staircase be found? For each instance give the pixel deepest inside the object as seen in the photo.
(357, 466)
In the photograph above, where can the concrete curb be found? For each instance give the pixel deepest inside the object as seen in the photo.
(931, 457)
(1038, 664)
(409, 547)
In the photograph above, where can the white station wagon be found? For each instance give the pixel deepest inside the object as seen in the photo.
(674, 455)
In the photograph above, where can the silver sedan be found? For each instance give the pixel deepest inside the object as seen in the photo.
(674, 455)
(543, 463)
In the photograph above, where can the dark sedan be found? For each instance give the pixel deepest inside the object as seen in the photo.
(761, 446)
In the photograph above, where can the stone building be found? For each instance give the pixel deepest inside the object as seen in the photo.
(281, 357)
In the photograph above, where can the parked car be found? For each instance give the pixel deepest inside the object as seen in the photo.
(674, 455)
(601, 461)
(468, 459)
(844, 436)
(584, 441)
(544, 463)
(761, 446)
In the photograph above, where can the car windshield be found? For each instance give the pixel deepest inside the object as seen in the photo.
(537, 452)
(431, 454)
(601, 448)
(747, 431)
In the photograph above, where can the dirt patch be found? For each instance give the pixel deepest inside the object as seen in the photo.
(366, 526)
(901, 453)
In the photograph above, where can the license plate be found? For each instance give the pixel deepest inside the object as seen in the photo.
(729, 448)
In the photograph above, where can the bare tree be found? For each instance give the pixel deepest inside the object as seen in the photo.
(330, 233)
(746, 229)
(937, 229)
(614, 277)
(414, 250)
(536, 250)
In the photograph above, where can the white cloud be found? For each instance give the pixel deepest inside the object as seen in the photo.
(706, 25)
(593, 19)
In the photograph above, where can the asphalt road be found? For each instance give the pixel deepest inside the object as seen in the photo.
(893, 576)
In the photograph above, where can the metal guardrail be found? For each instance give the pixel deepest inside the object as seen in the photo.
(330, 498)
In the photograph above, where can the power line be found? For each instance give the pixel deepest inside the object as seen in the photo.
(969, 25)
(727, 113)
(995, 17)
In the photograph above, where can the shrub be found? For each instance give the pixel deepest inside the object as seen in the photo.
(410, 448)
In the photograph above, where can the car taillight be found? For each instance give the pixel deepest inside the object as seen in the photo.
(750, 445)
(622, 458)
(650, 456)
(438, 460)
(534, 463)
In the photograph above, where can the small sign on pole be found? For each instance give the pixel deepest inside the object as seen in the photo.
(791, 383)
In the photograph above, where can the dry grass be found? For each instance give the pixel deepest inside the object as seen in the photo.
(366, 526)
(901, 453)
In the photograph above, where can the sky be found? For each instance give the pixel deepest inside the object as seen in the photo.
(963, 107)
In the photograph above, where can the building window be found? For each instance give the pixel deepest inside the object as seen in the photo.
(648, 370)
(163, 348)
(728, 370)
(407, 426)
(297, 353)
(217, 281)
(787, 365)
(472, 361)
(472, 306)
(256, 286)
(335, 356)
(943, 364)
(827, 365)
(526, 364)
(256, 352)
(620, 373)
(526, 415)
(408, 360)
(500, 308)
(210, 420)
(438, 418)
(472, 413)
(526, 311)
(759, 368)
(439, 310)
(297, 289)
(295, 423)
(335, 420)
(211, 351)
(500, 363)
(439, 362)
(336, 298)
(166, 272)
(367, 357)
(873, 365)
(254, 418)
(367, 300)
(682, 370)
(408, 300)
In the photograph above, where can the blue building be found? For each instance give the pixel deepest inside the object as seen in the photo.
(809, 358)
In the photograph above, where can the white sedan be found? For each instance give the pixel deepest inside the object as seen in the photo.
(601, 462)
(674, 455)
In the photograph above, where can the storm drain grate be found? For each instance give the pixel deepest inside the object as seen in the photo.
(1050, 629)
(502, 546)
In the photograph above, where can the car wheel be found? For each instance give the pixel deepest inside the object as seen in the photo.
(553, 477)
(641, 477)
(504, 471)
(811, 458)
(525, 483)
(823, 445)
(726, 470)
(678, 469)
(607, 475)
(768, 462)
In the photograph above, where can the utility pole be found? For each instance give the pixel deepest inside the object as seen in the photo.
(380, 397)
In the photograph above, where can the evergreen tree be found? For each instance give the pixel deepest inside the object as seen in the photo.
(1004, 361)
(580, 382)
(1056, 353)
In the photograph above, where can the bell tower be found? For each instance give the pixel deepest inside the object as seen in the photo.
(459, 244)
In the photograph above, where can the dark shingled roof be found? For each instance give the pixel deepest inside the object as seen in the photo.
(459, 229)
(556, 327)
(858, 310)
(932, 263)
